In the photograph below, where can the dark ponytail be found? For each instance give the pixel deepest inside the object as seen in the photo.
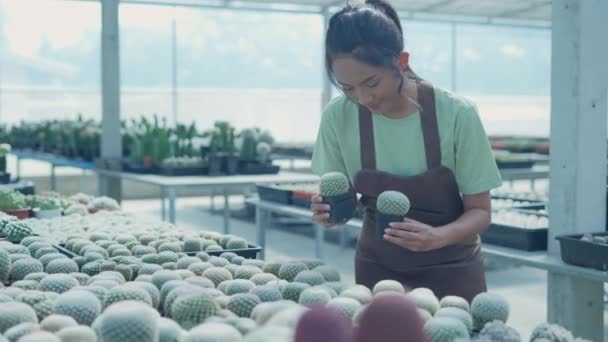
(370, 33)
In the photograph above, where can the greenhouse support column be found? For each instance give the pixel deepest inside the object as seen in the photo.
(577, 202)
(454, 56)
(174, 65)
(326, 90)
(111, 142)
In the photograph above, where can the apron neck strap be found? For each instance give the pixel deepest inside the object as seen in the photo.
(430, 131)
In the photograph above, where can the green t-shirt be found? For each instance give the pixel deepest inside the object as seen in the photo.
(399, 143)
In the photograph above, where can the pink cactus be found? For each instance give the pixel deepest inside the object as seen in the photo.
(323, 324)
(390, 318)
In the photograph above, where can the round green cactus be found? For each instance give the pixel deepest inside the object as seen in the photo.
(314, 295)
(457, 313)
(61, 265)
(263, 278)
(22, 267)
(393, 203)
(78, 333)
(169, 331)
(425, 299)
(246, 272)
(14, 313)
(213, 332)
(192, 310)
(243, 303)
(346, 306)
(267, 293)
(445, 329)
(487, 307)
(5, 266)
(289, 271)
(388, 285)
(54, 323)
(17, 231)
(59, 283)
(126, 293)
(333, 183)
(454, 301)
(81, 305)
(309, 277)
(129, 321)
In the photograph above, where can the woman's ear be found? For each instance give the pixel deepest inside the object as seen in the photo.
(404, 61)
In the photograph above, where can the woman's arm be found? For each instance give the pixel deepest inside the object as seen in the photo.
(417, 236)
(476, 218)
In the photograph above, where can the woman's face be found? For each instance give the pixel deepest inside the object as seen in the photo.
(373, 87)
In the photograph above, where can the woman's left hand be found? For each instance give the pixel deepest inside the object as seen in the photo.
(413, 235)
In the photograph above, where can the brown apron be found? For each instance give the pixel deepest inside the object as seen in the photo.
(435, 200)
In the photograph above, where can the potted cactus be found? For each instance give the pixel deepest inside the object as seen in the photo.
(45, 207)
(255, 149)
(392, 206)
(5, 177)
(221, 152)
(103, 203)
(335, 190)
(14, 203)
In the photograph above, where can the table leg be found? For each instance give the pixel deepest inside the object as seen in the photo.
(171, 192)
(212, 199)
(226, 212)
(319, 237)
(53, 178)
(343, 236)
(261, 222)
(18, 168)
(163, 204)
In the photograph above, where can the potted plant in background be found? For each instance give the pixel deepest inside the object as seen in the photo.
(13, 203)
(45, 207)
(5, 177)
(255, 150)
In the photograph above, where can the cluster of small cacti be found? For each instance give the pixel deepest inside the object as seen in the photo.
(601, 239)
(157, 284)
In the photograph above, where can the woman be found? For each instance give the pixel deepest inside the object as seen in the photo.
(393, 131)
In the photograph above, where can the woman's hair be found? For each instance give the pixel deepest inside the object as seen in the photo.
(370, 33)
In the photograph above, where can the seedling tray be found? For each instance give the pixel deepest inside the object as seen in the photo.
(527, 239)
(251, 252)
(274, 193)
(577, 252)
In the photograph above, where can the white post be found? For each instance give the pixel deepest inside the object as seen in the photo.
(454, 56)
(326, 89)
(577, 201)
(111, 144)
(174, 65)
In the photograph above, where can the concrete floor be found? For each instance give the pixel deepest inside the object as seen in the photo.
(524, 287)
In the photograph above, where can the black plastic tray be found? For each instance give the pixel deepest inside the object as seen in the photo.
(274, 193)
(526, 239)
(65, 251)
(574, 251)
(248, 253)
(184, 171)
(515, 164)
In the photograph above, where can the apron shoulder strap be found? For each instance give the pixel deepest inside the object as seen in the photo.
(366, 137)
(430, 131)
(428, 118)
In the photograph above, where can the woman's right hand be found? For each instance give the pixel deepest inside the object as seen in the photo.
(320, 211)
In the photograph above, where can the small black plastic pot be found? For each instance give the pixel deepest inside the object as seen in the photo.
(342, 207)
(382, 221)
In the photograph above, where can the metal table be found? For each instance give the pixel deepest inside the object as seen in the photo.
(532, 174)
(53, 160)
(540, 260)
(169, 185)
